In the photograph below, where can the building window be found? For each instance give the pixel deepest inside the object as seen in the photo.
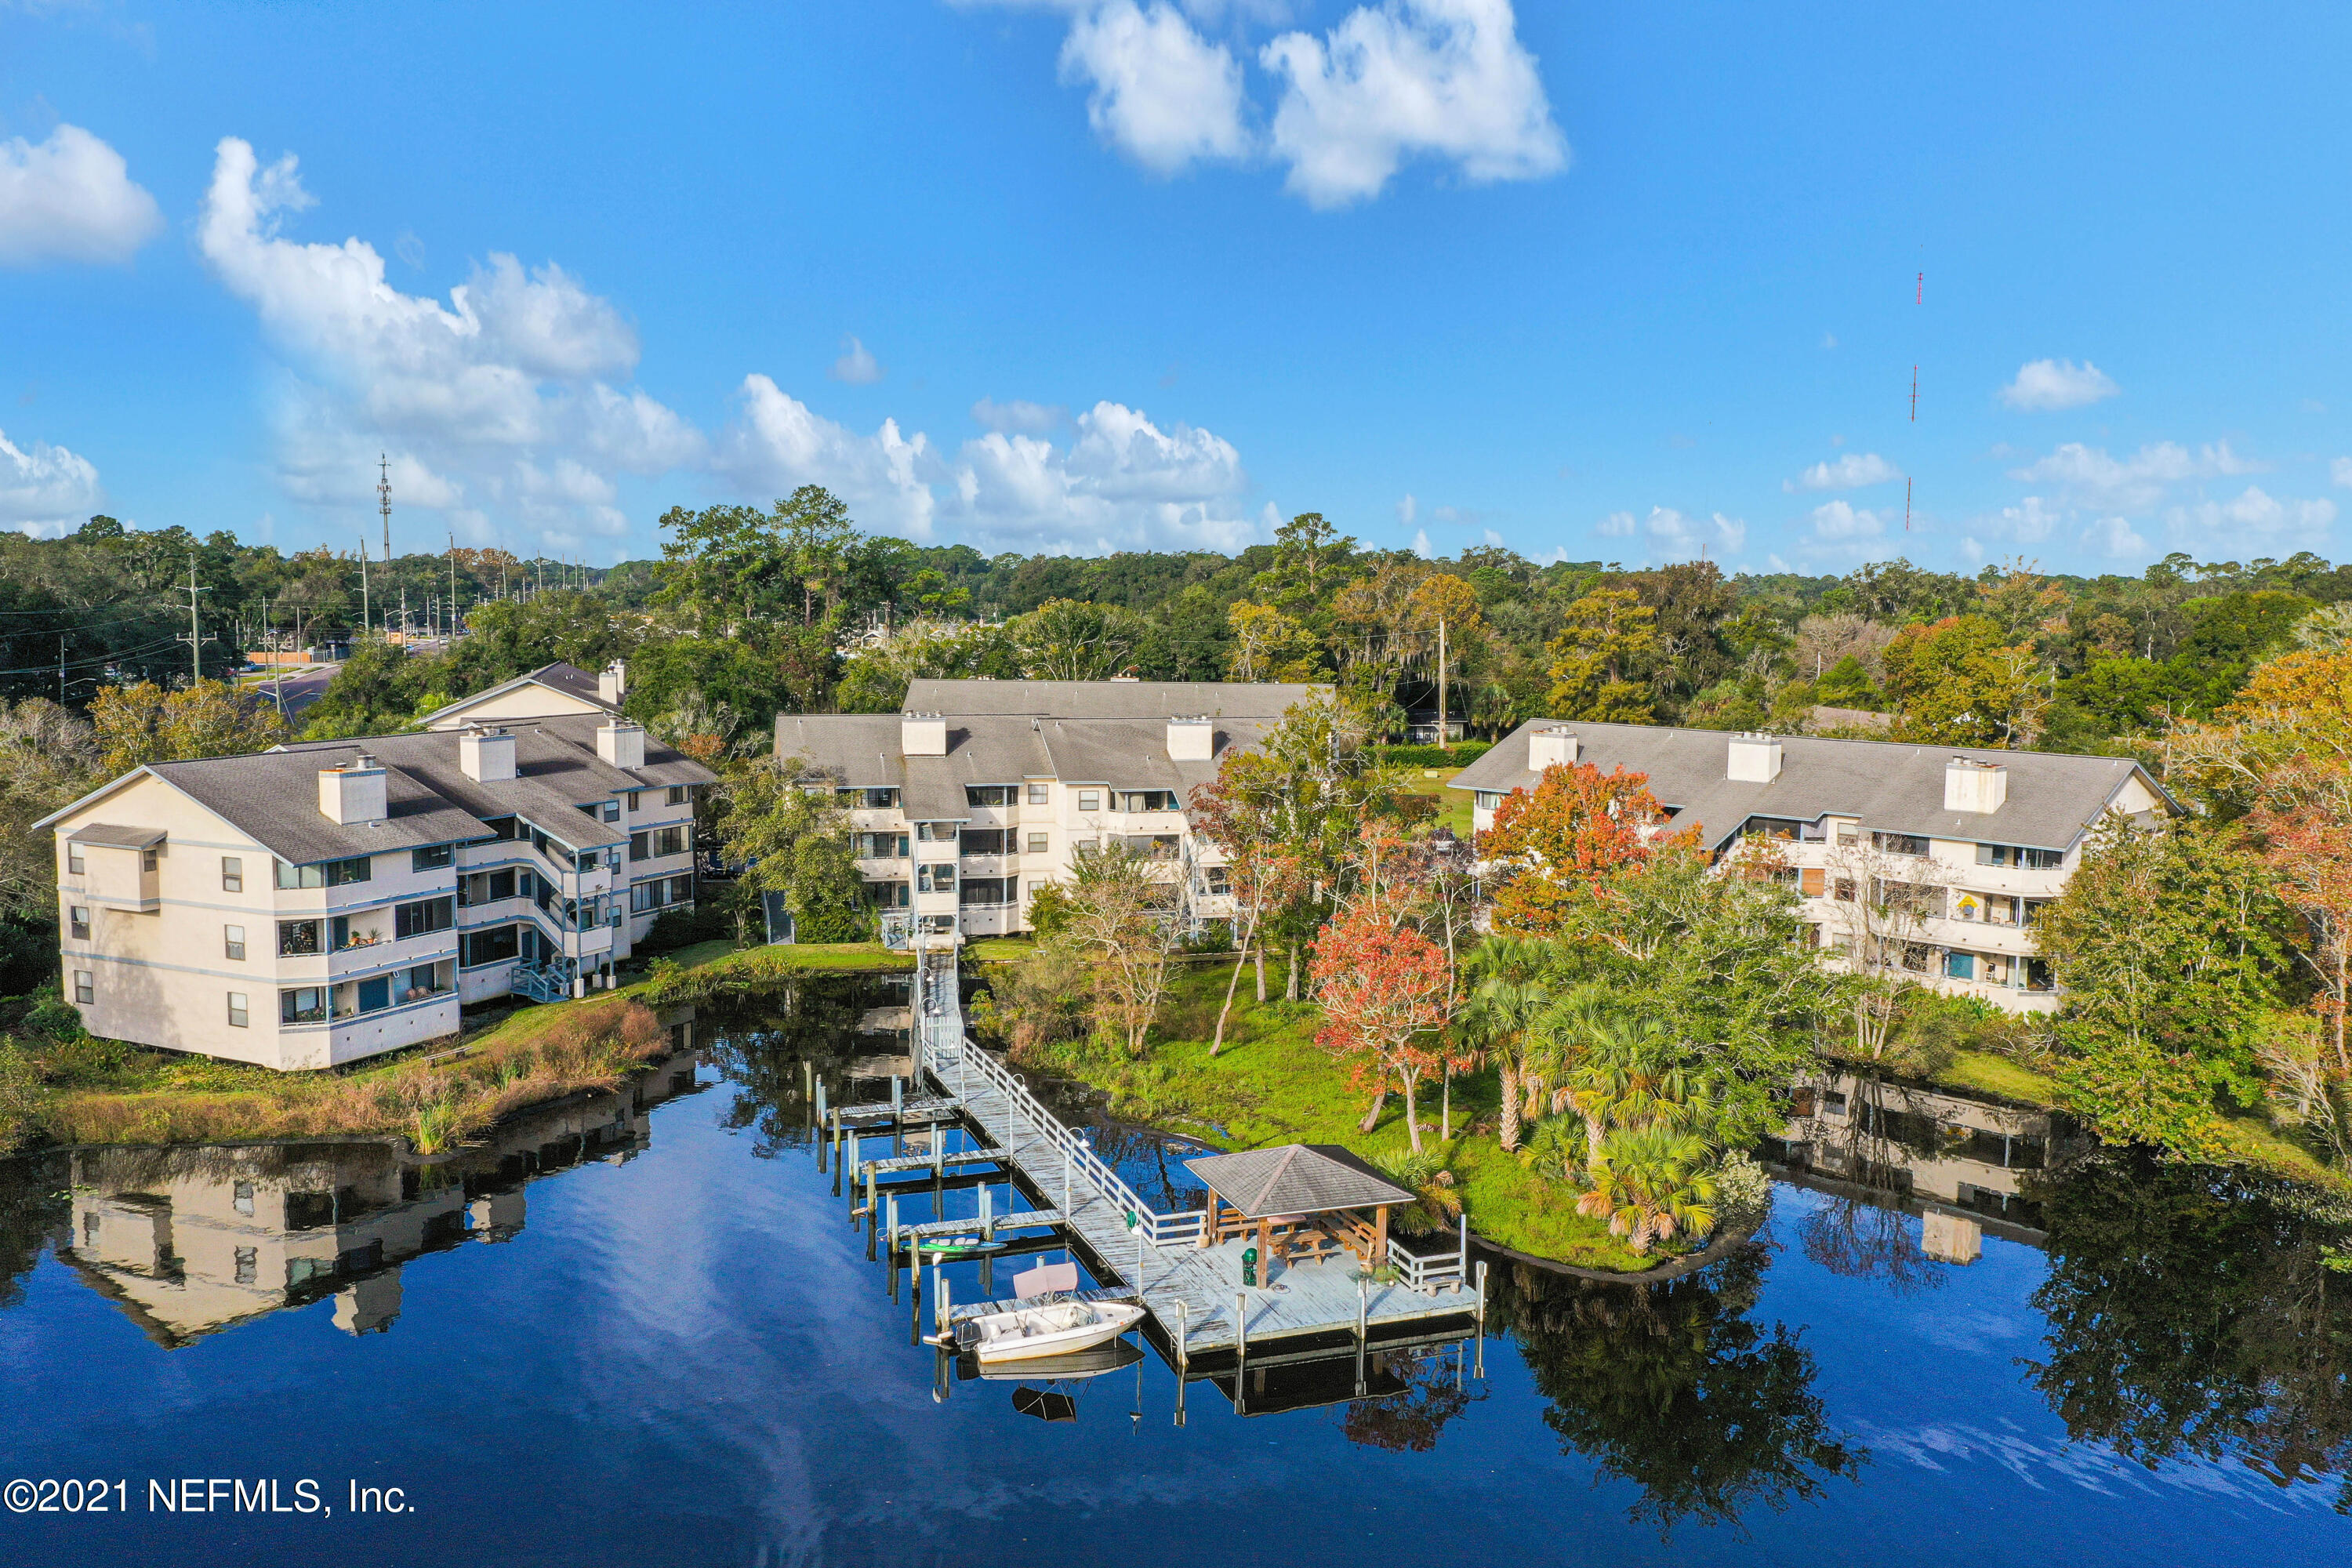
(1961, 966)
(423, 981)
(681, 889)
(1899, 843)
(374, 994)
(236, 1014)
(84, 992)
(146, 860)
(670, 841)
(432, 858)
(233, 942)
(678, 795)
(633, 796)
(1089, 800)
(78, 921)
(1037, 793)
(612, 811)
(645, 896)
(496, 946)
(1151, 800)
(935, 879)
(1220, 881)
(232, 874)
(75, 866)
(330, 874)
(424, 917)
(298, 938)
(886, 895)
(640, 846)
(2021, 859)
(985, 892)
(303, 1004)
(1036, 844)
(989, 795)
(989, 841)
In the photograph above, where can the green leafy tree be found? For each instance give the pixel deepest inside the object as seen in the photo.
(1604, 638)
(1959, 684)
(2167, 944)
(783, 821)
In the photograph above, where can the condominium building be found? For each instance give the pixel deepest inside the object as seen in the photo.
(328, 901)
(1919, 858)
(982, 791)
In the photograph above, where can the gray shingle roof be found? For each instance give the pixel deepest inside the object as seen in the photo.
(862, 749)
(1107, 699)
(108, 836)
(273, 796)
(1295, 1179)
(1891, 786)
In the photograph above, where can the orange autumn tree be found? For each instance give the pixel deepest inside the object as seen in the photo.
(1386, 992)
(2303, 820)
(1565, 839)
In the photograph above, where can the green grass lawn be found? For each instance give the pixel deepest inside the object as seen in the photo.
(1454, 806)
(1272, 1084)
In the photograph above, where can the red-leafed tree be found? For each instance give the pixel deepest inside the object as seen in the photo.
(2304, 822)
(1562, 841)
(1386, 992)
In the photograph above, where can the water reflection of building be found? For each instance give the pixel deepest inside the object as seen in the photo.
(1961, 1163)
(190, 1241)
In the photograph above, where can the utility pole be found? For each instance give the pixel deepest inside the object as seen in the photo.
(384, 502)
(453, 586)
(196, 633)
(62, 670)
(1440, 681)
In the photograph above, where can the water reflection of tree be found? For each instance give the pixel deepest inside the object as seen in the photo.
(1674, 1388)
(1409, 1422)
(1869, 1234)
(34, 1212)
(2192, 1314)
(761, 1046)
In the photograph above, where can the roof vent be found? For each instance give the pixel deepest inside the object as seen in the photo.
(1755, 759)
(1191, 740)
(613, 684)
(923, 734)
(621, 743)
(487, 756)
(1554, 746)
(353, 793)
(1972, 785)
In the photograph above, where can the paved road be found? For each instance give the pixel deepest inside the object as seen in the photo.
(300, 691)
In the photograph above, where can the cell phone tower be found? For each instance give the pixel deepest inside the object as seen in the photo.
(384, 500)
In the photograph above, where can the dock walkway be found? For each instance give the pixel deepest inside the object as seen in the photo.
(1195, 1294)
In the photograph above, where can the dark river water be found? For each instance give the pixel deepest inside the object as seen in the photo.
(642, 1329)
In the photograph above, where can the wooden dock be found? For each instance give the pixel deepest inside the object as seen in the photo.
(1195, 1294)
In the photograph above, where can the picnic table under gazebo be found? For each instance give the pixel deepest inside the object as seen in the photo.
(1302, 1202)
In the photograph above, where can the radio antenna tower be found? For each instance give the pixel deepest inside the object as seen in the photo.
(383, 488)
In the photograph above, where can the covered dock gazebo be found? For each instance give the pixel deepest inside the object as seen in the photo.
(1301, 1201)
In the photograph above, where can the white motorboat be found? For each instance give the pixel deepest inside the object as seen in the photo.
(1056, 1329)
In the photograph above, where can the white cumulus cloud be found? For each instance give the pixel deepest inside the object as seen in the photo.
(856, 365)
(2226, 525)
(1851, 471)
(779, 444)
(1407, 509)
(2114, 537)
(1121, 483)
(1843, 523)
(45, 490)
(1440, 78)
(1157, 91)
(2340, 470)
(2047, 384)
(70, 198)
(1673, 535)
(2090, 476)
(503, 409)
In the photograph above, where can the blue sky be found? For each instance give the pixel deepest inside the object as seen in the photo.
(1632, 283)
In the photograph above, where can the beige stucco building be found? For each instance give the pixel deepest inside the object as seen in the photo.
(1919, 858)
(331, 900)
(983, 791)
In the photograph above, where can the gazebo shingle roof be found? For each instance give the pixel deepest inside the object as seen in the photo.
(1295, 1179)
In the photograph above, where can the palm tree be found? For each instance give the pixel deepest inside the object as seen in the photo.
(1507, 996)
(1628, 1077)
(1650, 1184)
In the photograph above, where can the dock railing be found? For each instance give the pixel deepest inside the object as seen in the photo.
(957, 1062)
